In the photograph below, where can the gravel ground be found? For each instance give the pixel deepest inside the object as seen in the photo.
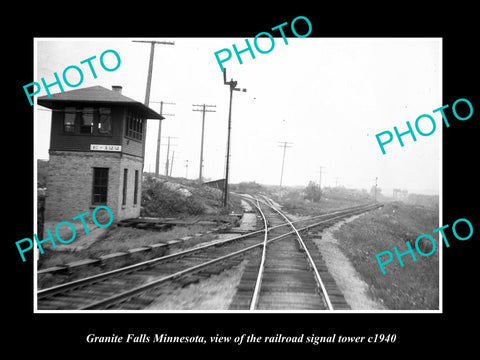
(349, 281)
(214, 293)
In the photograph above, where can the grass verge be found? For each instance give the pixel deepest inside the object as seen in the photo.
(414, 286)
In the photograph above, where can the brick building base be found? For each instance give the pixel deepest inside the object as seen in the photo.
(70, 180)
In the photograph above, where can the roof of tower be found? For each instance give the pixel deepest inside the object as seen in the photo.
(96, 95)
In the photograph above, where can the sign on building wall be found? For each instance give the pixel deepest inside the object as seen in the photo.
(99, 147)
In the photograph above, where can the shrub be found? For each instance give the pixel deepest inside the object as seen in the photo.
(160, 200)
(312, 192)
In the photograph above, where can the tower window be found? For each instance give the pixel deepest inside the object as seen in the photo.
(104, 121)
(100, 186)
(134, 128)
(69, 120)
(86, 121)
(125, 179)
(135, 189)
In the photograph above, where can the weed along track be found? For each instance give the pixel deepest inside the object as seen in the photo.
(282, 272)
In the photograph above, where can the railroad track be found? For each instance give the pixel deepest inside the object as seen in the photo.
(291, 274)
(136, 286)
(131, 287)
(289, 278)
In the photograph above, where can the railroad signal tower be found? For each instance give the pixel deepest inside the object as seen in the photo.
(96, 152)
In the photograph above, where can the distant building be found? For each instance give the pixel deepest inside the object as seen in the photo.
(97, 147)
(400, 193)
(216, 184)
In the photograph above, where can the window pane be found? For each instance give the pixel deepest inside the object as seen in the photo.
(125, 178)
(100, 185)
(105, 121)
(86, 122)
(129, 124)
(134, 126)
(135, 190)
(140, 130)
(69, 119)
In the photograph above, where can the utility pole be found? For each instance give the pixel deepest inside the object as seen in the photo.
(149, 81)
(320, 178)
(232, 84)
(336, 181)
(285, 146)
(168, 154)
(159, 136)
(167, 165)
(203, 110)
(150, 65)
(171, 164)
(186, 169)
(376, 178)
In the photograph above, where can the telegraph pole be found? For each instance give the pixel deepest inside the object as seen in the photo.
(376, 178)
(285, 146)
(232, 84)
(159, 136)
(203, 110)
(171, 164)
(168, 154)
(167, 165)
(149, 81)
(186, 169)
(150, 65)
(320, 178)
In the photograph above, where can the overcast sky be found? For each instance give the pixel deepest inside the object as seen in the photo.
(326, 96)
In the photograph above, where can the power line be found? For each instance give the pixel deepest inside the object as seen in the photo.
(285, 146)
(203, 110)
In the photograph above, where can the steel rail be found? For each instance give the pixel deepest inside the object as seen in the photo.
(258, 282)
(346, 210)
(115, 299)
(307, 253)
(138, 266)
(142, 288)
(254, 301)
(134, 267)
